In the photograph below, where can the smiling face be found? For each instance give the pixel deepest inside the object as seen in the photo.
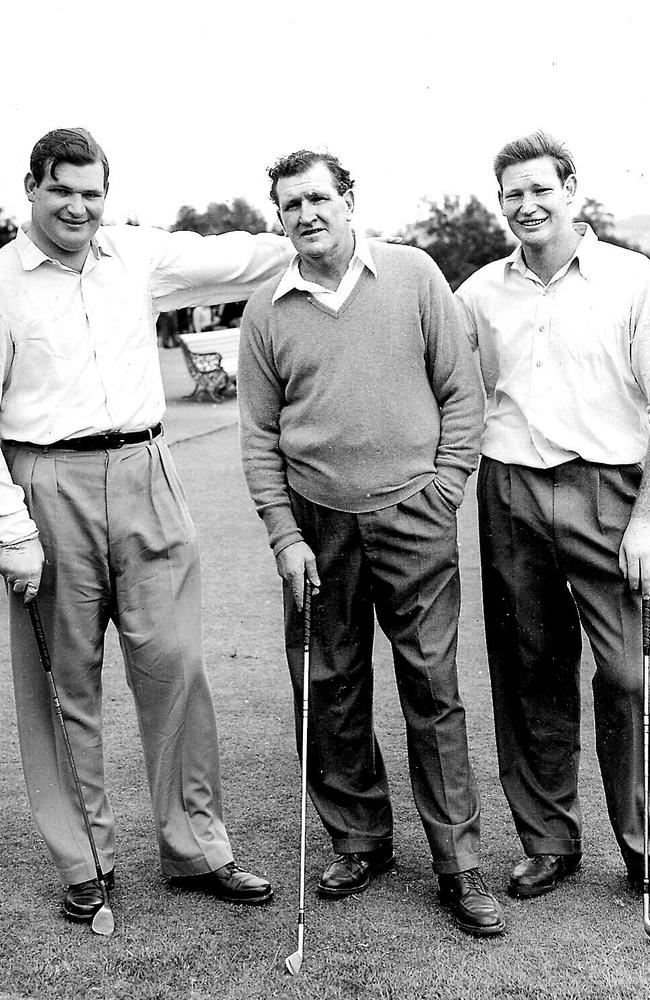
(316, 218)
(66, 210)
(536, 204)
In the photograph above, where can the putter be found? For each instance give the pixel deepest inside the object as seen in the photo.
(646, 774)
(293, 963)
(103, 921)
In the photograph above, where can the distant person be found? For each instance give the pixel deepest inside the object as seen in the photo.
(93, 518)
(202, 319)
(360, 419)
(562, 327)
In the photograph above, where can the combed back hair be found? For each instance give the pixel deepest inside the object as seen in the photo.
(532, 147)
(302, 160)
(66, 145)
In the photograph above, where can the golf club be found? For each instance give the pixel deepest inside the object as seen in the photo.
(294, 962)
(103, 921)
(646, 775)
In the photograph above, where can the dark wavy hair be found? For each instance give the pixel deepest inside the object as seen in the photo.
(532, 147)
(66, 145)
(302, 160)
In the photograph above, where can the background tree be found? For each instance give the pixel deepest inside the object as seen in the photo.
(8, 229)
(460, 237)
(602, 222)
(221, 217)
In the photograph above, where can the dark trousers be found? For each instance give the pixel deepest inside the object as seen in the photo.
(549, 551)
(402, 563)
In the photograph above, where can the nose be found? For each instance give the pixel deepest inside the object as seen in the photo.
(528, 203)
(75, 205)
(307, 211)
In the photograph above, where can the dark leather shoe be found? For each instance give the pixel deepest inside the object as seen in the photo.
(475, 908)
(83, 899)
(350, 873)
(541, 873)
(230, 883)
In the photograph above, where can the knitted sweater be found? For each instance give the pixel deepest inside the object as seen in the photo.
(357, 409)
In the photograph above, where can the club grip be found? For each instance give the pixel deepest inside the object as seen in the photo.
(645, 619)
(306, 610)
(39, 635)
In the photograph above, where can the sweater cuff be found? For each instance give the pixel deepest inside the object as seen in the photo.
(281, 527)
(451, 483)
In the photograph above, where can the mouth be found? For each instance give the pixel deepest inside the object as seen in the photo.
(531, 223)
(312, 232)
(74, 223)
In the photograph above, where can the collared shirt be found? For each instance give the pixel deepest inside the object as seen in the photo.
(331, 298)
(78, 351)
(566, 366)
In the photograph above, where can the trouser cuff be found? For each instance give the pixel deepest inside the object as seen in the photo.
(551, 845)
(361, 845)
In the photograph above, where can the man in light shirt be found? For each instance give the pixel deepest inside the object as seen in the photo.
(93, 518)
(360, 418)
(562, 327)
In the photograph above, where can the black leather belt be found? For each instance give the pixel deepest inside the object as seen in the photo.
(97, 442)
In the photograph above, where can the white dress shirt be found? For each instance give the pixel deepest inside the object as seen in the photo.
(566, 366)
(78, 351)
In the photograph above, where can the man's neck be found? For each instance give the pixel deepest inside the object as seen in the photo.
(548, 260)
(327, 271)
(75, 261)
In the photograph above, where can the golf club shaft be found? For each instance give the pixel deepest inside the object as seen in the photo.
(44, 654)
(646, 758)
(305, 724)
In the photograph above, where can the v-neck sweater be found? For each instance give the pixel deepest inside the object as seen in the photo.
(360, 408)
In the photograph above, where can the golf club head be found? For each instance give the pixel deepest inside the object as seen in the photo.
(293, 963)
(103, 922)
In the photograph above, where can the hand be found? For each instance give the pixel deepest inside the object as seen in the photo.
(293, 563)
(21, 564)
(634, 555)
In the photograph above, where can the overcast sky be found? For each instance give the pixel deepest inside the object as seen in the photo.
(193, 99)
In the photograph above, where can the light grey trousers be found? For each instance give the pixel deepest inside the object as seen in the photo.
(119, 545)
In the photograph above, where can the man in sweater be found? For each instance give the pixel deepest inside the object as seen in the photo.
(562, 327)
(360, 417)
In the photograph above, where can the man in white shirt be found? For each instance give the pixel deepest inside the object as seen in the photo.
(562, 326)
(93, 518)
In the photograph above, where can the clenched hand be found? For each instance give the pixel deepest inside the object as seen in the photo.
(21, 564)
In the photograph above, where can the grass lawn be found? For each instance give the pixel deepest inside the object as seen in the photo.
(394, 942)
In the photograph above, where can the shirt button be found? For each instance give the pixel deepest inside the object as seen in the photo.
(539, 364)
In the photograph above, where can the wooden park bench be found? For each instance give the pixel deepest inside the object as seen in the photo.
(211, 359)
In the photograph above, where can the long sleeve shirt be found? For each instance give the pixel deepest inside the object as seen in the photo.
(566, 366)
(360, 407)
(78, 351)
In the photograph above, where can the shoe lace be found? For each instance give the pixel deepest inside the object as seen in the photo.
(474, 880)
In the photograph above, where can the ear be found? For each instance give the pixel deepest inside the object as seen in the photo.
(30, 185)
(500, 197)
(277, 212)
(348, 197)
(570, 186)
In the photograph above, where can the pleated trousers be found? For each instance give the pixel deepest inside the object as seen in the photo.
(550, 543)
(120, 546)
(400, 563)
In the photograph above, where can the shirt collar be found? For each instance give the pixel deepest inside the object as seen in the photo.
(292, 278)
(583, 254)
(31, 256)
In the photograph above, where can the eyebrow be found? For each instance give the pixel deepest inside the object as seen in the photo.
(312, 193)
(58, 186)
